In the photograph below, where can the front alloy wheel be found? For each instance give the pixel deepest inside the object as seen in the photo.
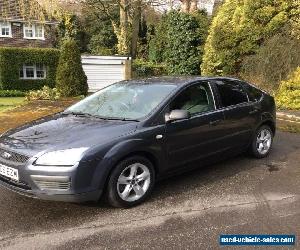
(133, 182)
(130, 182)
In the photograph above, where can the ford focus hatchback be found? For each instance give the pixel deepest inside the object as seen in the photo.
(122, 139)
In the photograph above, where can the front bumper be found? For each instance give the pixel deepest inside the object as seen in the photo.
(83, 197)
(68, 184)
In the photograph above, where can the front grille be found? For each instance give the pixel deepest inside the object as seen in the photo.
(53, 185)
(9, 156)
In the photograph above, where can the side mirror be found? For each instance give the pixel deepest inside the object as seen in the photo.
(177, 114)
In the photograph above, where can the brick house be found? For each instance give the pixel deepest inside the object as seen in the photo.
(20, 29)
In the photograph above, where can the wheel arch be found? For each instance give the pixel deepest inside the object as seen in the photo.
(149, 156)
(269, 123)
(146, 154)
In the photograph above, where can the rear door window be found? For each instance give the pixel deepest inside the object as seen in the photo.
(231, 93)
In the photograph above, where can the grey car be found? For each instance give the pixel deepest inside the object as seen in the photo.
(122, 139)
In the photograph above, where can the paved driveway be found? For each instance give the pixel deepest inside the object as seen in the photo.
(240, 195)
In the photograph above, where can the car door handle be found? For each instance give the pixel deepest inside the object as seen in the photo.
(214, 123)
(254, 111)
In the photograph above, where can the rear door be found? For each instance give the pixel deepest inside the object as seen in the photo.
(239, 121)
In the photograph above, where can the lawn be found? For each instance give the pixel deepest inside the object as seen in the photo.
(16, 114)
(7, 103)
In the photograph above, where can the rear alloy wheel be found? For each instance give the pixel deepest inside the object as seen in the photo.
(262, 142)
(131, 182)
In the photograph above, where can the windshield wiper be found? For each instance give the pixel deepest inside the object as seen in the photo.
(117, 118)
(76, 113)
(131, 120)
(99, 117)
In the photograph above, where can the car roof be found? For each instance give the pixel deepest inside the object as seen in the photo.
(176, 80)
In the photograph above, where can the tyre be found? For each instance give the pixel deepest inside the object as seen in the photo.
(262, 142)
(130, 182)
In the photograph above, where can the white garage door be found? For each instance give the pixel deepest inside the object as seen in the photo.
(103, 71)
(100, 76)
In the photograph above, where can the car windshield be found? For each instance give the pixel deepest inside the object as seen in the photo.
(124, 100)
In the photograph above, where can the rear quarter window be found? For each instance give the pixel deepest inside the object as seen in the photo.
(254, 94)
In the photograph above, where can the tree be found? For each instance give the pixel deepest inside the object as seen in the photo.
(123, 27)
(189, 6)
(238, 30)
(178, 41)
(70, 77)
(288, 96)
(202, 32)
(273, 62)
(216, 6)
(295, 19)
(127, 27)
(70, 27)
(101, 38)
(181, 52)
(158, 41)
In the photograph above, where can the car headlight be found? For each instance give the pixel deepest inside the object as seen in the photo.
(68, 157)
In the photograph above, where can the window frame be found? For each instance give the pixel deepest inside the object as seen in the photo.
(247, 85)
(2, 25)
(34, 67)
(220, 104)
(33, 29)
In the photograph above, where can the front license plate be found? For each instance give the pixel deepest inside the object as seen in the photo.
(9, 172)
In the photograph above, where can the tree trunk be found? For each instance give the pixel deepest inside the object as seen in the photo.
(185, 6)
(124, 33)
(137, 13)
(193, 6)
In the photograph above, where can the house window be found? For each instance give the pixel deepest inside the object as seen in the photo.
(40, 71)
(34, 31)
(35, 71)
(5, 29)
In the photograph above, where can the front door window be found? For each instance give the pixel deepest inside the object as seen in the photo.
(196, 99)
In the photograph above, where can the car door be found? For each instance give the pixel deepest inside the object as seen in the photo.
(201, 135)
(238, 113)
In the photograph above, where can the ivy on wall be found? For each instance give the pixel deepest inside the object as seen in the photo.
(12, 59)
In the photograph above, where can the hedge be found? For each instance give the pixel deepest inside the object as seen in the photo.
(12, 93)
(12, 59)
(141, 69)
(288, 95)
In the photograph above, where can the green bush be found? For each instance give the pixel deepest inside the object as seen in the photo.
(45, 93)
(288, 96)
(70, 78)
(158, 41)
(182, 52)
(274, 61)
(142, 68)
(238, 30)
(12, 59)
(178, 41)
(101, 43)
(12, 93)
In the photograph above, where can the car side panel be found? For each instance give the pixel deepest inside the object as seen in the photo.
(145, 142)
